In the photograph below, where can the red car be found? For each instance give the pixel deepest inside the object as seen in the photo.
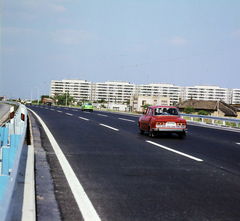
(164, 119)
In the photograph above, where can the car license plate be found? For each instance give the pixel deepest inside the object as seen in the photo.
(171, 124)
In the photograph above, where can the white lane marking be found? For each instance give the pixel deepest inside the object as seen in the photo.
(74, 110)
(175, 151)
(28, 207)
(86, 112)
(126, 119)
(46, 108)
(84, 118)
(59, 111)
(69, 114)
(238, 143)
(109, 127)
(103, 115)
(52, 109)
(84, 203)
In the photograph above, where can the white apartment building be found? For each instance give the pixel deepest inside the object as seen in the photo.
(160, 90)
(110, 91)
(113, 91)
(79, 89)
(120, 92)
(207, 92)
(236, 96)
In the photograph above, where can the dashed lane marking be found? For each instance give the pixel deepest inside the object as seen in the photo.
(103, 115)
(84, 118)
(175, 151)
(104, 125)
(126, 120)
(69, 114)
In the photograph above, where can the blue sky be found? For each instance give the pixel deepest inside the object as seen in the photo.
(185, 43)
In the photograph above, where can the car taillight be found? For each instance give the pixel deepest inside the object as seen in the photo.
(160, 123)
(181, 124)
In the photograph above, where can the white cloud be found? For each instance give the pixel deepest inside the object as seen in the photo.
(13, 31)
(57, 8)
(42, 6)
(176, 40)
(72, 37)
(15, 49)
(236, 34)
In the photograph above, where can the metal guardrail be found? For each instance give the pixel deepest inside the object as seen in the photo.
(212, 118)
(12, 136)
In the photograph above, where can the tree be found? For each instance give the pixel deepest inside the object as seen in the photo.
(189, 110)
(62, 98)
(101, 101)
(202, 112)
(145, 106)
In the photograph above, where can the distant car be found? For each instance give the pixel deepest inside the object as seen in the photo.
(87, 106)
(28, 102)
(162, 119)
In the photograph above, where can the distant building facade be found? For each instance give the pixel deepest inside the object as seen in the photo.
(120, 92)
(137, 102)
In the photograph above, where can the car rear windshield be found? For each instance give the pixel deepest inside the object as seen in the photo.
(165, 111)
(88, 104)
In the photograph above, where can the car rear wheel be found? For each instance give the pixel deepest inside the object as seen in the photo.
(181, 135)
(141, 131)
(151, 133)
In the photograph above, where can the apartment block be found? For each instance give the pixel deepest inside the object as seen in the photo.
(207, 92)
(236, 96)
(79, 89)
(110, 91)
(113, 91)
(160, 90)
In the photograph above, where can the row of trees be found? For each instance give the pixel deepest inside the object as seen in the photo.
(66, 99)
(190, 110)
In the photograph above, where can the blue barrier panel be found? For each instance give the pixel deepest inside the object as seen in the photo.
(14, 143)
(5, 160)
(3, 183)
(9, 153)
(4, 135)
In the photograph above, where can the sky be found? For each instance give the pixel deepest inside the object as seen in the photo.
(185, 43)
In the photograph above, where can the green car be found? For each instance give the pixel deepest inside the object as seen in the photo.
(87, 106)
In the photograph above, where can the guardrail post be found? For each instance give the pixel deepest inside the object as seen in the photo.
(4, 136)
(14, 143)
(9, 153)
(224, 123)
(5, 160)
(3, 183)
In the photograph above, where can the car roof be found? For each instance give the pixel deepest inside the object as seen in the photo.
(157, 106)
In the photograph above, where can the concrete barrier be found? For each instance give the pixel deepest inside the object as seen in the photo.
(12, 137)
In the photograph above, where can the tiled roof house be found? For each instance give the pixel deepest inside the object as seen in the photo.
(224, 110)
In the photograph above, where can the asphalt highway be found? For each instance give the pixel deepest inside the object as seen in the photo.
(128, 176)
